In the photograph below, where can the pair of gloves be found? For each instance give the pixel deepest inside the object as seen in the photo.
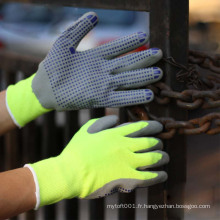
(101, 158)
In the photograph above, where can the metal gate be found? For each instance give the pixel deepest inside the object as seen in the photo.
(46, 136)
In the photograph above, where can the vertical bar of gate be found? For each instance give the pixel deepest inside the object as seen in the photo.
(12, 158)
(169, 31)
(96, 207)
(48, 144)
(2, 138)
(2, 150)
(71, 127)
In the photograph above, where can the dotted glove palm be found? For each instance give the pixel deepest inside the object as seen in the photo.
(68, 79)
(101, 160)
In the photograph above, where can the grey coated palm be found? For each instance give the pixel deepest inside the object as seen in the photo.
(68, 79)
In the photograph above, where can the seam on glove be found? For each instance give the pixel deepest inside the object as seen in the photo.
(37, 193)
(10, 113)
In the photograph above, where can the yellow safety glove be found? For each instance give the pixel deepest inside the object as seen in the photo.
(101, 160)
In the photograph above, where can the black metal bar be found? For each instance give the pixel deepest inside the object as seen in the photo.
(2, 154)
(13, 62)
(48, 145)
(169, 31)
(12, 157)
(139, 5)
(127, 213)
(123, 197)
(97, 113)
(2, 138)
(72, 126)
(96, 207)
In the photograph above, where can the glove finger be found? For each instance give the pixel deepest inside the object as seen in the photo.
(99, 124)
(130, 97)
(130, 128)
(151, 178)
(141, 145)
(122, 45)
(102, 124)
(78, 30)
(142, 161)
(138, 78)
(136, 60)
(153, 128)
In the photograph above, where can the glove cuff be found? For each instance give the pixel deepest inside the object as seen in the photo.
(37, 192)
(22, 104)
(52, 181)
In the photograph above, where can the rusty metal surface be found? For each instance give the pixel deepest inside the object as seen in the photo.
(193, 75)
(209, 124)
(203, 87)
(139, 5)
(187, 99)
(211, 62)
(169, 31)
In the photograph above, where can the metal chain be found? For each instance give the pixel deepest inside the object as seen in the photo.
(211, 62)
(209, 124)
(189, 75)
(189, 99)
(193, 98)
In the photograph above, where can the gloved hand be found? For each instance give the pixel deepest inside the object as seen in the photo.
(68, 79)
(101, 160)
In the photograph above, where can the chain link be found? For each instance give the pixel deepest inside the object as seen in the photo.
(187, 99)
(205, 95)
(191, 99)
(209, 124)
(205, 61)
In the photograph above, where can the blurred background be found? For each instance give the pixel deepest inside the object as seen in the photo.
(204, 24)
(31, 30)
(203, 152)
